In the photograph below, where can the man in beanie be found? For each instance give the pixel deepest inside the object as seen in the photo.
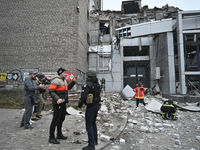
(58, 91)
(29, 87)
(91, 87)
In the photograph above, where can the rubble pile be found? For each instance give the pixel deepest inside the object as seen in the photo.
(120, 127)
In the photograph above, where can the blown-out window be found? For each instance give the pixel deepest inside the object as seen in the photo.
(104, 27)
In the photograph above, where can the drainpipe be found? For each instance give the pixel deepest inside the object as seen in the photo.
(181, 53)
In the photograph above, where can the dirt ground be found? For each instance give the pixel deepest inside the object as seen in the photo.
(127, 123)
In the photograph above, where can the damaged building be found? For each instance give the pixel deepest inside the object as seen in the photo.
(155, 46)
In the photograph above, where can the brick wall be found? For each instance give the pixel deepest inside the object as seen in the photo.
(44, 34)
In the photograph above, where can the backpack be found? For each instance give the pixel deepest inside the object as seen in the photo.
(93, 96)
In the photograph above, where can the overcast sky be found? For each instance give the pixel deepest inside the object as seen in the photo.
(182, 4)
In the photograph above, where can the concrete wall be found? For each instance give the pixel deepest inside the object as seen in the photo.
(82, 39)
(164, 59)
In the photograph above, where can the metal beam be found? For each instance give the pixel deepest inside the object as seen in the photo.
(181, 53)
(192, 73)
(191, 31)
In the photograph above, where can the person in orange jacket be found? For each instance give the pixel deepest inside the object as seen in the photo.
(139, 94)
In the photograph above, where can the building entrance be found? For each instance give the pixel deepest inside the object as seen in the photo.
(135, 72)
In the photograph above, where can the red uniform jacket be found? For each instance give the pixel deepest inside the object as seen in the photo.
(139, 92)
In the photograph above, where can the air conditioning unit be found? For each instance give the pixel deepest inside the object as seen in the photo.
(157, 73)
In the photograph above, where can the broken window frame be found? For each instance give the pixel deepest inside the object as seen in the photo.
(106, 29)
(135, 51)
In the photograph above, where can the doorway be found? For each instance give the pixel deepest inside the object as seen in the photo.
(135, 72)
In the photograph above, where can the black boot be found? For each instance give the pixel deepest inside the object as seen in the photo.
(54, 141)
(61, 136)
(89, 148)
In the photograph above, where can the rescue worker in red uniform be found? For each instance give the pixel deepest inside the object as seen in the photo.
(139, 94)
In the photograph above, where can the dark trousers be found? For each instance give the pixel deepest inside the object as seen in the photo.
(91, 127)
(28, 112)
(58, 118)
(139, 100)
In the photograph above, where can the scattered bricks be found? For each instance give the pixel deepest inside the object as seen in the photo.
(83, 131)
(106, 124)
(155, 130)
(122, 141)
(158, 125)
(98, 118)
(134, 121)
(104, 137)
(198, 138)
(111, 125)
(176, 136)
(115, 148)
(178, 142)
(125, 111)
(144, 129)
(123, 117)
(130, 125)
(148, 118)
(130, 120)
(84, 140)
(130, 112)
(167, 125)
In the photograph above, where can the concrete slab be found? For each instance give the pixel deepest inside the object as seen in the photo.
(189, 108)
(72, 111)
(153, 106)
(128, 92)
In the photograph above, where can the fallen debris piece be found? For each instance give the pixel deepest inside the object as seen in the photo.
(122, 141)
(128, 92)
(153, 106)
(70, 110)
(193, 108)
(104, 137)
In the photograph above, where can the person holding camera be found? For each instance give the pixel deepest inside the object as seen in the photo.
(58, 91)
(40, 79)
(29, 95)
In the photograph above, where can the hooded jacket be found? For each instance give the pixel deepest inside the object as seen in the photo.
(58, 88)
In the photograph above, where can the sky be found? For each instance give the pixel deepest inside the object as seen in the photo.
(181, 4)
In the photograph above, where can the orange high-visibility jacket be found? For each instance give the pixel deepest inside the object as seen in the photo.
(139, 94)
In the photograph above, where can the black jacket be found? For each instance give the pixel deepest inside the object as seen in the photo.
(91, 86)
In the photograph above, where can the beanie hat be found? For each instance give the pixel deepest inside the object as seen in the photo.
(60, 71)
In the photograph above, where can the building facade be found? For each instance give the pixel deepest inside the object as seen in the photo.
(144, 46)
(44, 35)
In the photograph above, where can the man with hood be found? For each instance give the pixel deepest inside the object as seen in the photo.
(92, 87)
(58, 91)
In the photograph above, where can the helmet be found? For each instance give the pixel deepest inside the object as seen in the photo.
(91, 73)
(139, 84)
(40, 75)
(171, 99)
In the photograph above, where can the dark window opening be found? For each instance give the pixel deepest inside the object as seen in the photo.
(88, 39)
(135, 51)
(104, 27)
(129, 7)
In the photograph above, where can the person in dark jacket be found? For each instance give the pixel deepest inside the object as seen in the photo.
(29, 93)
(58, 91)
(91, 87)
(168, 110)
